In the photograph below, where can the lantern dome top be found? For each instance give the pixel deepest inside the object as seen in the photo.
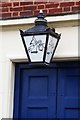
(40, 27)
(40, 24)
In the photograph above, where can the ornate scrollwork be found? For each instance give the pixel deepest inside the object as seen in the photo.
(35, 45)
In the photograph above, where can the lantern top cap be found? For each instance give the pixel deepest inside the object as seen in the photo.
(40, 19)
(41, 27)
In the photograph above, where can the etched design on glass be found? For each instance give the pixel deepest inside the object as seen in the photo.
(35, 45)
(50, 47)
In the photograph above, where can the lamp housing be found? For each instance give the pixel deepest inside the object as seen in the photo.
(40, 41)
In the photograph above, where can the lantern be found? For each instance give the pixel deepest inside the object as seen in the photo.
(40, 41)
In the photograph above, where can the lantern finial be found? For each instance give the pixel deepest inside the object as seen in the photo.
(40, 19)
(41, 11)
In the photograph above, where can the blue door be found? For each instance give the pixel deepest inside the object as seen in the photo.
(47, 92)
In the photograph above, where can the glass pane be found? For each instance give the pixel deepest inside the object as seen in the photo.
(35, 46)
(50, 48)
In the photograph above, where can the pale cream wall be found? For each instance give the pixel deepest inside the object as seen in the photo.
(12, 50)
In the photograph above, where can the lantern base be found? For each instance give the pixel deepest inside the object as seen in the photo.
(39, 64)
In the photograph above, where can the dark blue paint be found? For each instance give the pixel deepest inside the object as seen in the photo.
(48, 92)
(68, 93)
(37, 93)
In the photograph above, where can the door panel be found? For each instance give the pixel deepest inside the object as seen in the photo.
(37, 93)
(68, 93)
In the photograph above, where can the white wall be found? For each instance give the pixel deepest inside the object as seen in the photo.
(11, 50)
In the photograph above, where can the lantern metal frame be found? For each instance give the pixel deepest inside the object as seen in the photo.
(40, 28)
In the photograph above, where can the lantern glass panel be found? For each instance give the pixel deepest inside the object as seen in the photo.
(52, 41)
(35, 45)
